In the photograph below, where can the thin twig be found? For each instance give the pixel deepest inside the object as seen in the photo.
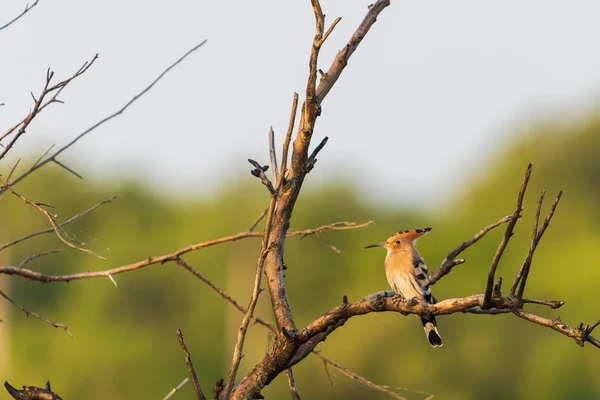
(259, 172)
(312, 159)
(15, 19)
(449, 262)
(288, 139)
(258, 219)
(38, 255)
(507, 235)
(176, 389)
(40, 104)
(190, 364)
(538, 237)
(273, 155)
(553, 304)
(256, 290)
(331, 28)
(60, 233)
(61, 225)
(38, 316)
(106, 119)
(292, 384)
(217, 389)
(358, 378)
(221, 292)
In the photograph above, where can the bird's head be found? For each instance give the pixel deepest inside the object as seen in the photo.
(401, 239)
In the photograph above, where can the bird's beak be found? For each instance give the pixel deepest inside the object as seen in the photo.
(382, 244)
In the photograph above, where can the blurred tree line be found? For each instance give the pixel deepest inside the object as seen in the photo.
(125, 347)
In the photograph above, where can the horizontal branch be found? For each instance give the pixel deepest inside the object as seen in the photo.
(37, 276)
(388, 301)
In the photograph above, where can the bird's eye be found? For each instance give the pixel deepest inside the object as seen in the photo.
(397, 242)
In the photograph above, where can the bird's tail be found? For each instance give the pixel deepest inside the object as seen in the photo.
(430, 327)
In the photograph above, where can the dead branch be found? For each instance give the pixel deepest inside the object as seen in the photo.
(176, 389)
(32, 392)
(38, 316)
(40, 104)
(273, 155)
(256, 290)
(60, 233)
(39, 277)
(356, 377)
(190, 364)
(450, 261)
(60, 225)
(28, 8)
(507, 235)
(53, 157)
(292, 384)
(217, 389)
(38, 255)
(537, 236)
(287, 332)
(272, 328)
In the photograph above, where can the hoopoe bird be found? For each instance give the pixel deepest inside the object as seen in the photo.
(408, 276)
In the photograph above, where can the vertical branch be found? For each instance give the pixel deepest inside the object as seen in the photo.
(507, 235)
(286, 339)
(288, 139)
(191, 370)
(292, 384)
(535, 243)
(248, 315)
(273, 155)
(529, 257)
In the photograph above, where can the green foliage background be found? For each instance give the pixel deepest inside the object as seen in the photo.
(125, 347)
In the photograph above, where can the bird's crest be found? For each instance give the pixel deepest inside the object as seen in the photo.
(408, 236)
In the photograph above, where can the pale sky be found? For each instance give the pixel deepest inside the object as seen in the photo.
(438, 86)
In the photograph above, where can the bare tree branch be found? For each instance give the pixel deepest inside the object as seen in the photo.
(176, 389)
(37, 276)
(38, 255)
(537, 236)
(256, 290)
(39, 105)
(53, 157)
(28, 8)
(32, 392)
(61, 225)
(449, 262)
(358, 378)
(272, 328)
(292, 384)
(273, 155)
(286, 143)
(287, 332)
(190, 364)
(507, 235)
(38, 316)
(60, 233)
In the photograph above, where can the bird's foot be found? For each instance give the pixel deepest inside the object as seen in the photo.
(413, 302)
